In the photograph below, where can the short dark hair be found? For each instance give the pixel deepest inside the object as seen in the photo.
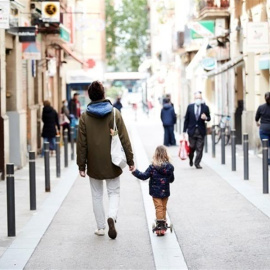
(96, 91)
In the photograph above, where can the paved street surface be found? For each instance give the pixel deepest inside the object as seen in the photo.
(220, 220)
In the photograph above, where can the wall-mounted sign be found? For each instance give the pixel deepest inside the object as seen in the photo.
(209, 63)
(27, 34)
(64, 33)
(4, 14)
(50, 11)
(202, 29)
(257, 37)
(32, 50)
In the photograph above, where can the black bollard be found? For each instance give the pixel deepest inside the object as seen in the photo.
(205, 140)
(66, 147)
(222, 145)
(213, 141)
(47, 167)
(32, 180)
(58, 161)
(233, 138)
(245, 151)
(265, 144)
(72, 142)
(11, 224)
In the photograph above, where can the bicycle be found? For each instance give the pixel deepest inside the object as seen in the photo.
(223, 123)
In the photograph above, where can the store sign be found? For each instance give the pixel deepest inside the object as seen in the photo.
(257, 37)
(32, 50)
(64, 33)
(50, 11)
(202, 29)
(4, 14)
(264, 62)
(27, 34)
(209, 63)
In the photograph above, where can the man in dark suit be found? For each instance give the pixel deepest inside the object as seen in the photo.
(196, 115)
(168, 118)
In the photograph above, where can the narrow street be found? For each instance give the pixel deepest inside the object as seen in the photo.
(216, 227)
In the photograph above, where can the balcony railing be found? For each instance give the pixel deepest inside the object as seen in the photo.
(212, 4)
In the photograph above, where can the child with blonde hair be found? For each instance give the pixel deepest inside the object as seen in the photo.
(161, 175)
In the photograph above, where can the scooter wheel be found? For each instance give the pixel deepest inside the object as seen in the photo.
(171, 227)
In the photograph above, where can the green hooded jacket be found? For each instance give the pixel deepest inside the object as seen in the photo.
(94, 141)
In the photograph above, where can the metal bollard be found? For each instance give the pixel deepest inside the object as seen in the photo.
(72, 142)
(47, 167)
(222, 145)
(233, 137)
(265, 145)
(58, 161)
(205, 141)
(11, 224)
(213, 141)
(66, 147)
(32, 180)
(245, 151)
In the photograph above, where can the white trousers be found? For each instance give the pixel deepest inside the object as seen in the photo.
(113, 190)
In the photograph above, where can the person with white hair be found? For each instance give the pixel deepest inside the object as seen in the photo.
(196, 115)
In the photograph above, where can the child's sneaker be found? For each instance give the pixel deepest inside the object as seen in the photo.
(112, 231)
(100, 232)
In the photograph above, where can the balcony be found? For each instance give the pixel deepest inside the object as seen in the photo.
(211, 9)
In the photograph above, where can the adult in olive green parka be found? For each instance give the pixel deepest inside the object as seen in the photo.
(94, 155)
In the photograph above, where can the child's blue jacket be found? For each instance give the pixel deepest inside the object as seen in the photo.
(160, 179)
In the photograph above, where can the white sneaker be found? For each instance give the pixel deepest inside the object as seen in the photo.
(100, 232)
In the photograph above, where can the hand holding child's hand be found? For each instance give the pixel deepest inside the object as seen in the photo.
(132, 168)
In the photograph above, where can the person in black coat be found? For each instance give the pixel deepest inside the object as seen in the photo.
(168, 118)
(118, 105)
(263, 115)
(194, 124)
(50, 123)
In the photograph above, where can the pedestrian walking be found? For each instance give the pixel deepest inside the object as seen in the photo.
(168, 118)
(161, 175)
(93, 152)
(51, 125)
(196, 115)
(118, 105)
(262, 119)
(65, 118)
(74, 106)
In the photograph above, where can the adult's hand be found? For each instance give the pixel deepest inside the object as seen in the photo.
(132, 168)
(82, 173)
(204, 117)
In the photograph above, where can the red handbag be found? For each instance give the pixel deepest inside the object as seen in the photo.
(183, 149)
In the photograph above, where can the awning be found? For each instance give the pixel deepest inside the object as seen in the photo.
(237, 61)
(70, 52)
(196, 60)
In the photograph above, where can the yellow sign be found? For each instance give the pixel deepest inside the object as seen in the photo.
(50, 11)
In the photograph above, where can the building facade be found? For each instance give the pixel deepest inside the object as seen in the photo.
(39, 43)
